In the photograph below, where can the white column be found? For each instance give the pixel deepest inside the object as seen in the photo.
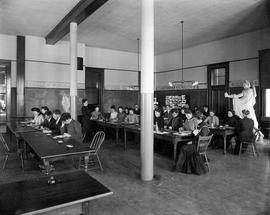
(147, 88)
(73, 69)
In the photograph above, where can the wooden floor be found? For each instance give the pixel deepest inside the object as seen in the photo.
(235, 185)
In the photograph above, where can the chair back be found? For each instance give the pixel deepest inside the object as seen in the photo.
(203, 143)
(4, 143)
(97, 141)
(205, 131)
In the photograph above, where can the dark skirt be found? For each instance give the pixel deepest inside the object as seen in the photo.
(190, 161)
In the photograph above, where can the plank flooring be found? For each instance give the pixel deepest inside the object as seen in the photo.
(234, 185)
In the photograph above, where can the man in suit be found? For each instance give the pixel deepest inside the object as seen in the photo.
(244, 131)
(71, 127)
(49, 122)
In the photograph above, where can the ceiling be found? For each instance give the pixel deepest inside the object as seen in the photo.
(116, 25)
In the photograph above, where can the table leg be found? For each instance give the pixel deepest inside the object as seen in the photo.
(174, 149)
(86, 160)
(225, 144)
(86, 208)
(116, 135)
(47, 167)
(125, 138)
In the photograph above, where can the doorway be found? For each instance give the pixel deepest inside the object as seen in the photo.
(5, 90)
(218, 84)
(94, 85)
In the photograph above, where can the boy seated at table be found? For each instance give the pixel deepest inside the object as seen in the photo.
(96, 114)
(113, 114)
(71, 127)
(121, 114)
(132, 118)
(212, 120)
(49, 122)
(175, 122)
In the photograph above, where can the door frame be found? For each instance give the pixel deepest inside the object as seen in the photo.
(101, 87)
(225, 65)
(7, 63)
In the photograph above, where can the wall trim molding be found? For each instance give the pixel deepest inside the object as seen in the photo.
(205, 65)
(47, 84)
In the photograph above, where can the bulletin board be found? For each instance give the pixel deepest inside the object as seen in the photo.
(176, 101)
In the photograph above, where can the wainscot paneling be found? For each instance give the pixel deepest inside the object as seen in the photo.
(119, 97)
(54, 98)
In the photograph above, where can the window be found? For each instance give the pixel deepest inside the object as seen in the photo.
(218, 77)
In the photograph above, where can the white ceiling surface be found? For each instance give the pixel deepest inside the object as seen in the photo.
(32, 17)
(116, 25)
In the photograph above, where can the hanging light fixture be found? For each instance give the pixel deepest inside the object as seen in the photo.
(181, 83)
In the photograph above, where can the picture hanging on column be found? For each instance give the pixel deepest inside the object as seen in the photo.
(176, 101)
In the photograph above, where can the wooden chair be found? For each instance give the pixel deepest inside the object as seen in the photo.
(250, 143)
(93, 156)
(9, 152)
(203, 143)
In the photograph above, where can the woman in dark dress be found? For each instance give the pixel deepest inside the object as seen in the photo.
(86, 115)
(245, 131)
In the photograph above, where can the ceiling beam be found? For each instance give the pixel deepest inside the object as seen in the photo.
(78, 14)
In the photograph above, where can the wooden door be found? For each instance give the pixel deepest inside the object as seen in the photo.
(218, 84)
(94, 84)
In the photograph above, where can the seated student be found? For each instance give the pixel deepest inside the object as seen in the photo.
(159, 120)
(191, 123)
(113, 114)
(43, 110)
(126, 110)
(58, 122)
(200, 121)
(167, 112)
(182, 115)
(175, 123)
(137, 109)
(49, 122)
(212, 120)
(132, 118)
(244, 131)
(205, 111)
(232, 120)
(38, 117)
(195, 109)
(121, 114)
(71, 127)
(96, 114)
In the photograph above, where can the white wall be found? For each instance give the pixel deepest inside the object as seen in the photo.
(48, 65)
(120, 67)
(230, 49)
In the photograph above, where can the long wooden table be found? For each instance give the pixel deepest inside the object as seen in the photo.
(49, 149)
(173, 137)
(35, 196)
(224, 132)
(115, 125)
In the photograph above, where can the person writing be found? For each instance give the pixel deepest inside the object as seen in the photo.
(71, 127)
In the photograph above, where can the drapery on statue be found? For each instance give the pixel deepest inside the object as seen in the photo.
(245, 100)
